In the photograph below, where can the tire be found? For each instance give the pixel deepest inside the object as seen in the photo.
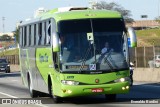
(55, 98)
(8, 71)
(110, 97)
(32, 92)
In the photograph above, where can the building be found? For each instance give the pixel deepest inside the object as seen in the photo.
(143, 24)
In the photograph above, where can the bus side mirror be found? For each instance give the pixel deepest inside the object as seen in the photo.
(56, 66)
(56, 47)
(132, 37)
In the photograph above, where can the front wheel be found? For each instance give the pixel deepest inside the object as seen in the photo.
(32, 92)
(56, 99)
(110, 97)
(8, 71)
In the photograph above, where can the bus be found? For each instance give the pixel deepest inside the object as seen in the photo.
(61, 53)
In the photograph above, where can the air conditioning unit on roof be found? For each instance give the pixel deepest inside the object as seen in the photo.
(64, 9)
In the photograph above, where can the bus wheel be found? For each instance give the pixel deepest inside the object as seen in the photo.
(110, 97)
(32, 92)
(56, 99)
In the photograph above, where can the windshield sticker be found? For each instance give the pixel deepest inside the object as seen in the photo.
(76, 67)
(90, 36)
(92, 66)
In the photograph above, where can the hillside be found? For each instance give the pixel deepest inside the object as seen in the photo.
(148, 37)
(10, 52)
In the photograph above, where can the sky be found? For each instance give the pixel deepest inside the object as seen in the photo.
(16, 10)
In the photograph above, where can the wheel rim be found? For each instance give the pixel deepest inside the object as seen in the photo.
(53, 96)
(30, 86)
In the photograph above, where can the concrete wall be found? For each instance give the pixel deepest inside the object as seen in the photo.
(147, 74)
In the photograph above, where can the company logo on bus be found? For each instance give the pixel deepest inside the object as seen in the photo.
(97, 80)
(43, 58)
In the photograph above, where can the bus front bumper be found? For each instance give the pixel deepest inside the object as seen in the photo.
(83, 90)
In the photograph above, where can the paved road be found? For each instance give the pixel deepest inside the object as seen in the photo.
(11, 87)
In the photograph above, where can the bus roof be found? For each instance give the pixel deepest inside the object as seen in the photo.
(80, 14)
(74, 13)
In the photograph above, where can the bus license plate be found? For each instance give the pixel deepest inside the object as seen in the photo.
(97, 90)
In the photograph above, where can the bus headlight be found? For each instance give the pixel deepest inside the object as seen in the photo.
(122, 79)
(69, 82)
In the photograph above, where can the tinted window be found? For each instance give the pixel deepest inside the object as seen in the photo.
(3, 61)
(99, 25)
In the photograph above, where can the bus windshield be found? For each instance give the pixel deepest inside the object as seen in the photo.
(106, 52)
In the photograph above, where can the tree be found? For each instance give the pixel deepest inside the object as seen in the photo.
(115, 7)
(16, 33)
(5, 37)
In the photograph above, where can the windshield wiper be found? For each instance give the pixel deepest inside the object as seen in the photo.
(85, 57)
(106, 59)
(89, 49)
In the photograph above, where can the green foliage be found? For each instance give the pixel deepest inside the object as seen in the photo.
(5, 38)
(148, 32)
(17, 35)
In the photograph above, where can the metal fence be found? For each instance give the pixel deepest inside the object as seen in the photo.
(142, 55)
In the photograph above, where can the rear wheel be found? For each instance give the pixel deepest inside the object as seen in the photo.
(110, 97)
(56, 99)
(32, 92)
(8, 71)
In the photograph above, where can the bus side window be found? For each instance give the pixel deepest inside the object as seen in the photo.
(21, 37)
(39, 33)
(29, 35)
(43, 34)
(49, 33)
(35, 33)
(32, 35)
(25, 36)
(37, 36)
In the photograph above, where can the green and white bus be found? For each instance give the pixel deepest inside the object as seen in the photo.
(61, 53)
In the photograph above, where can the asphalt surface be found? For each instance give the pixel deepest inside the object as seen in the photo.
(13, 91)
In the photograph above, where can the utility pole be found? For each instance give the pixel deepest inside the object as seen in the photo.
(3, 26)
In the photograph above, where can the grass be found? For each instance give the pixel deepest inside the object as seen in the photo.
(148, 37)
(148, 32)
(10, 52)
